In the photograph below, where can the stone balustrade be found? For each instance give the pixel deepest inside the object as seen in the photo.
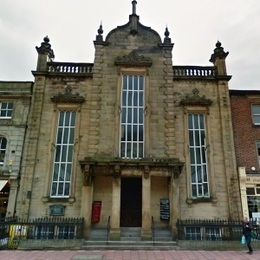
(69, 68)
(194, 72)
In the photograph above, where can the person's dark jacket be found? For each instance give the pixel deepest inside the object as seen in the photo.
(247, 229)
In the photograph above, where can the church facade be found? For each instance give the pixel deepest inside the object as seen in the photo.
(131, 139)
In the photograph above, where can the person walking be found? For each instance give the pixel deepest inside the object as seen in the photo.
(247, 228)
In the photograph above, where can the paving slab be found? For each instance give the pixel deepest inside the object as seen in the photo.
(127, 255)
(88, 257)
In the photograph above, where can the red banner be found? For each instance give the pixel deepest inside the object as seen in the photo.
(96, 211)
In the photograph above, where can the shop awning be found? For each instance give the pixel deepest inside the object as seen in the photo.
(2, 184)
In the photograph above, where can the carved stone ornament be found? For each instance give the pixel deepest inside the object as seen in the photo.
(146, 171)
(133, 59)
(176, 171)
(117, 171)
(87, 171)
(68, 97)
(195, 100)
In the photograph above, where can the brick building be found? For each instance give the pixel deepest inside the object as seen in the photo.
(130, 138)
(15, 100)
(245, 107)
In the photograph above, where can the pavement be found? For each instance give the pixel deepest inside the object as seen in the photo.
(126, 255)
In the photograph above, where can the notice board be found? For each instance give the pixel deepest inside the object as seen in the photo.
(164, 209)
(96, 211)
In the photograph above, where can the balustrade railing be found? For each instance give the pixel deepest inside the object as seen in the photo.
(194, 71)
(72, 68)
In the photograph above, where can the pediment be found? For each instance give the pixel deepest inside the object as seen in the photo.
(68, 97)
(195, 100)
(133, 59)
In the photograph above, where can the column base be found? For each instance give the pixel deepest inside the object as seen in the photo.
(146, 234)
(115, 234)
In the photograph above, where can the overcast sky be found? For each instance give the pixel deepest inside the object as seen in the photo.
(194, 25)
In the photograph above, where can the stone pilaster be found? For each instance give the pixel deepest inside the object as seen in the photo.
(86, 200)
(115, 217)
(174, 203)
(146, 206)
(242, 178)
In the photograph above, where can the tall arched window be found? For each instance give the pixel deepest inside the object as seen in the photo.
(132, 117)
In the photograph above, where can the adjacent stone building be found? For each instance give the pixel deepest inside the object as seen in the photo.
(245, 107)
(130, 139)
(15, 100)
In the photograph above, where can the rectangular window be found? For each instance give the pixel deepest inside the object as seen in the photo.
(198, 157)
(256, 114)
(3, 143)
(213, 233)
(62, 169)
(258, 152)
(193, 233)
(132, 117)
(6, 110)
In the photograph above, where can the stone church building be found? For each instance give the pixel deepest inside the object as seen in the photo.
(131, 139)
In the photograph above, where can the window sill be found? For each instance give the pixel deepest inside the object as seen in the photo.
(56, 200)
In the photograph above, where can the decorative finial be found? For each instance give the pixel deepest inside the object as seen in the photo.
(134, 6)
(100, 30)
(166, 34)
(99, 37)
(45, 48)
(218, 52)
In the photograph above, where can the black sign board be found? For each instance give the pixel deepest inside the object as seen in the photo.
(164, 209)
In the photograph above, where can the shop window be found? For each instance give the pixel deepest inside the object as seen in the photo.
(253, 200)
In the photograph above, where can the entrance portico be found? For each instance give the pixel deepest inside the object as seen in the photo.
(130, 192)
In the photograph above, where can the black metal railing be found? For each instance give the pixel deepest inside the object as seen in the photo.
(13, 230)
(193, 71)
(196, 229)
(108, 228)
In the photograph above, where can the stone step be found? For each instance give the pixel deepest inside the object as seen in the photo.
(162, 234)
(98, 234)
(130, 234)
(133, 245)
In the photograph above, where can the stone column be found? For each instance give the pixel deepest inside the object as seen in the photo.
(146, 231)
(86, 207)
(115, 213)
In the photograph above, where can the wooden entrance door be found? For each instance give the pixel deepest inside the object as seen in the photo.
(131, 202)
